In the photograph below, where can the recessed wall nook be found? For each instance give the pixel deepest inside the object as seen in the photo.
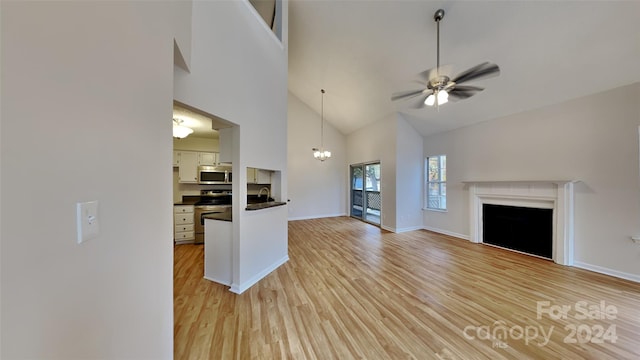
(557, 195)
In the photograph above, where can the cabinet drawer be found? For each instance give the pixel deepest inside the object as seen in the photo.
(184, 227)
(181, 219)
(179, 209)
(187, 235)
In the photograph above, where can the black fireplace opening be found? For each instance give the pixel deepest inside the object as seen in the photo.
(525, 229)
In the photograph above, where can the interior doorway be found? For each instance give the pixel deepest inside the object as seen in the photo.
(365, 194)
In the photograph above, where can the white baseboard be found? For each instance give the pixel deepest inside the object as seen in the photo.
(400, 230)
(446, 232)
(315, 216)
(218, 281)
(607, 271)
(410, 228)
(239, 289)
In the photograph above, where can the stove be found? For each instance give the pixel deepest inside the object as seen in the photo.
(211, 201)
(214, 197)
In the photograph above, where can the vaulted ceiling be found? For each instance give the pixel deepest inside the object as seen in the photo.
(548, 51)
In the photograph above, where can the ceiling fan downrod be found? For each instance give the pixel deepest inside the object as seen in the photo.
(439, 15)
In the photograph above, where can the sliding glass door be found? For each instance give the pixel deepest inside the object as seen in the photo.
(365, 192)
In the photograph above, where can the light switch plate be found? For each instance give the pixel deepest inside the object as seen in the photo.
(88, 225)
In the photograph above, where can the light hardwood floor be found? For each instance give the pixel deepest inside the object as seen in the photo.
(354, 291)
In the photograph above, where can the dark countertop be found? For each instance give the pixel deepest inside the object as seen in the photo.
(264, 205)
(223, 216)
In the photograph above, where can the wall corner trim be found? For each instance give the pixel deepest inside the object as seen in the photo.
(240, 288)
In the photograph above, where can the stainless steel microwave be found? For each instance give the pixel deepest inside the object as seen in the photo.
(214, 174)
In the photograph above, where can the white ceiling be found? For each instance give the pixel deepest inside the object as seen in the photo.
(548, 52)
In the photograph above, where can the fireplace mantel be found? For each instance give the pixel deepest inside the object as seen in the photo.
(550, 194)
(533, 182)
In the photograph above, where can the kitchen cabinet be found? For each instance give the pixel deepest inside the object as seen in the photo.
(207, 158)
(258, 176)
(188, 167)
(183, 224)
(176, 158)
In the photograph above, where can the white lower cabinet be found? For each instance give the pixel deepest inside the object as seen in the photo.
(183, 231)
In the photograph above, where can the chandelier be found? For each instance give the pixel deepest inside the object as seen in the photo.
(321, 154)
(180, 131)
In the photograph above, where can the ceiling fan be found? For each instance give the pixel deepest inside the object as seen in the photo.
(439, 88)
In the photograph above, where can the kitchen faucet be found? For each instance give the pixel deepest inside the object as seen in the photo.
(264, 188)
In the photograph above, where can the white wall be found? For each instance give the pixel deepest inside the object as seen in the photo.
(239, 73)
(377, 142)
(592, 139)
(193, 143)
(86, 109)
(316, 189)
(409, 177)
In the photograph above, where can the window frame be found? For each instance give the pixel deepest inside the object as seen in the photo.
(442, 174)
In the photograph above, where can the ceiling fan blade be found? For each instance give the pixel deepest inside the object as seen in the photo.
(418, 103)
(406, 94)
(467, 88)
(458, 94)
(483, 70)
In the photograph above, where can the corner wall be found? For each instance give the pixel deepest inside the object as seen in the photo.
(316, 189)
(409, 177)
(593, 139)
(378, 142)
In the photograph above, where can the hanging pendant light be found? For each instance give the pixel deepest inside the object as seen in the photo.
(180, 131)
(321, 154)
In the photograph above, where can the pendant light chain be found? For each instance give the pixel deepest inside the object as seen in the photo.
(322, 121)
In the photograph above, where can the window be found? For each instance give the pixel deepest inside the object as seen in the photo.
(436, 184)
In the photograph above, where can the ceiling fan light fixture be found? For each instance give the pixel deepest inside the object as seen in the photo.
(180, 131)
(443, 97)
(430, 100)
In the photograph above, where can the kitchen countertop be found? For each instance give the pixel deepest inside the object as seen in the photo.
(223, 216)
(264, 205)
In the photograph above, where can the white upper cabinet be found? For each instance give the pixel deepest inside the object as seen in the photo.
(188, 162)
(207, 158)
(176, 158)
(258, 176)
(188, 167)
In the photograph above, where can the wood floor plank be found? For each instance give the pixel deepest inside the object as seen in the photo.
(353, 291)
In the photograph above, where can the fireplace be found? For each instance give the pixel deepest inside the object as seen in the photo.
(523, 229)
(551, 200)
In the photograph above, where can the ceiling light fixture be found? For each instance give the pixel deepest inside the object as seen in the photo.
(321, 154)
(441, 95)
(180, 131)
